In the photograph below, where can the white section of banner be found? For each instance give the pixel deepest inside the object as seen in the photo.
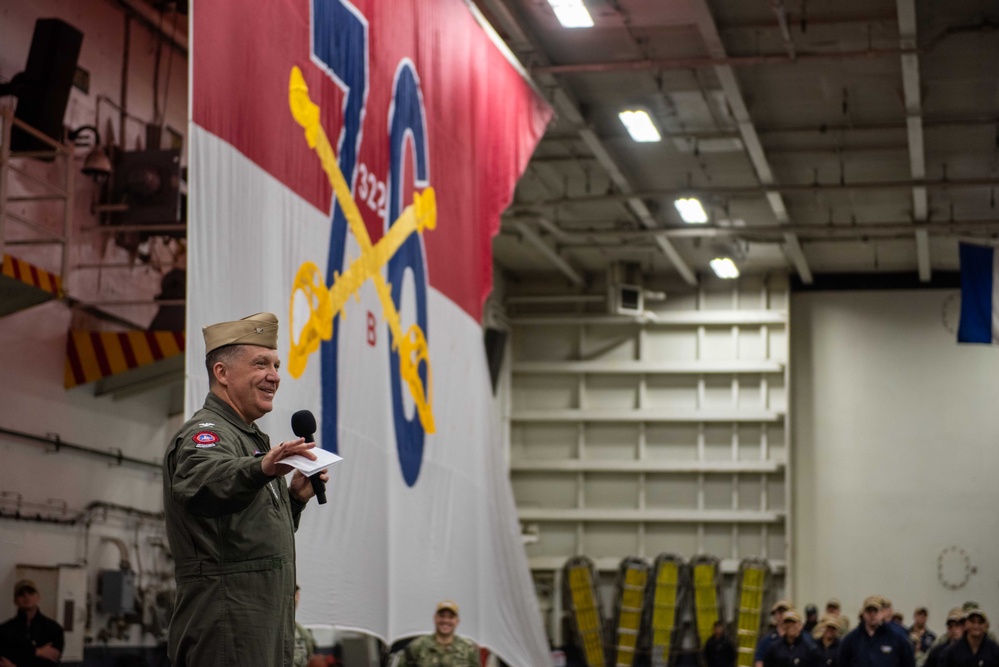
(380, 554)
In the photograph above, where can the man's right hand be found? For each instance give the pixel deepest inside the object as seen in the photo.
(271, 463)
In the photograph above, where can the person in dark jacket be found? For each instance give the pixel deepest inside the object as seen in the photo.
(30, 639)
(230, 516)
(770, 636)
(793, 648)
(922, 637)
(828, 642)
(873, 643)
(719, 651)
(955, 630)
(975, 648)
(811, 618)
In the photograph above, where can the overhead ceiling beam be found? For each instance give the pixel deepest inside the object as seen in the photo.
(825, 128)
(770, 191)
(908, 48)
(848, 21)
(669, 64)
(914, 130)
(730, 87)
(567, 107)
(780, 11)
(560, 263)
(859, 232)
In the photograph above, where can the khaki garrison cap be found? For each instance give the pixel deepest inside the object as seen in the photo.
(955, 614)
(260, 329)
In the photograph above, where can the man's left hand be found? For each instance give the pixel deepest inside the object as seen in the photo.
(301, 486)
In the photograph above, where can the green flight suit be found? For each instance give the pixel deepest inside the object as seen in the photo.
(231, 530)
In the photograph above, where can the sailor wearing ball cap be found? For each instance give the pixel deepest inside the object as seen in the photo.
(975, 649)
(30, 638)
(777, 612)
(793, 649)
(444, 648)
(873, 643)
(955, 630)
(827, 635)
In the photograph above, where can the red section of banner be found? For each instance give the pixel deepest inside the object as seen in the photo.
(482, 119)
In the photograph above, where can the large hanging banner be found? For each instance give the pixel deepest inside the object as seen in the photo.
(349, 163)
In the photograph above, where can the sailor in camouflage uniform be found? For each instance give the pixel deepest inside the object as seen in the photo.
(230, 516)
(443, 648)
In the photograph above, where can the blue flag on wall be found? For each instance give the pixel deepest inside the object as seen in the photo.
(979, 282)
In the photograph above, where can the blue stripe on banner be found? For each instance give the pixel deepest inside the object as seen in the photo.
(976, 294)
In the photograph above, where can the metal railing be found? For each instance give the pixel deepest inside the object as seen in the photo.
(11, 165)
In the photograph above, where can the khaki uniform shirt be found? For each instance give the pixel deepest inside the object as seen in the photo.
(231, 530)
(426, 652)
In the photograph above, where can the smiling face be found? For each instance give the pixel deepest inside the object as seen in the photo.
(247, 380)
(445, 622)
(975, 627)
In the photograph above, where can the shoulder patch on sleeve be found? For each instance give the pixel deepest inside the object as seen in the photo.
(204, 439)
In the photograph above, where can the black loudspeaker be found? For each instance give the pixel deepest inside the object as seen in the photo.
(43, 87)
(495, 340)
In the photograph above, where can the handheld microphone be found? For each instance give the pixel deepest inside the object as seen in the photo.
(303, 424)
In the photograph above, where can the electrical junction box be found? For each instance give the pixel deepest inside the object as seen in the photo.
(118, 592)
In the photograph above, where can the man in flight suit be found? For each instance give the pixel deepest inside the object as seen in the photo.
(230, 516)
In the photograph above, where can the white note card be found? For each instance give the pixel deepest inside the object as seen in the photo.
(324, 459)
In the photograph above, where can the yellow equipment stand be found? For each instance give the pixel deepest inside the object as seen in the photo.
(707, 595)
(664, 598)
(753, 582)
(632, 577)
(584, 609)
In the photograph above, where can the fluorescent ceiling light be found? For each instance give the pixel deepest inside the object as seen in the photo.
(691, 210)
(724, 267)
(639, 125)
(571, 13)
